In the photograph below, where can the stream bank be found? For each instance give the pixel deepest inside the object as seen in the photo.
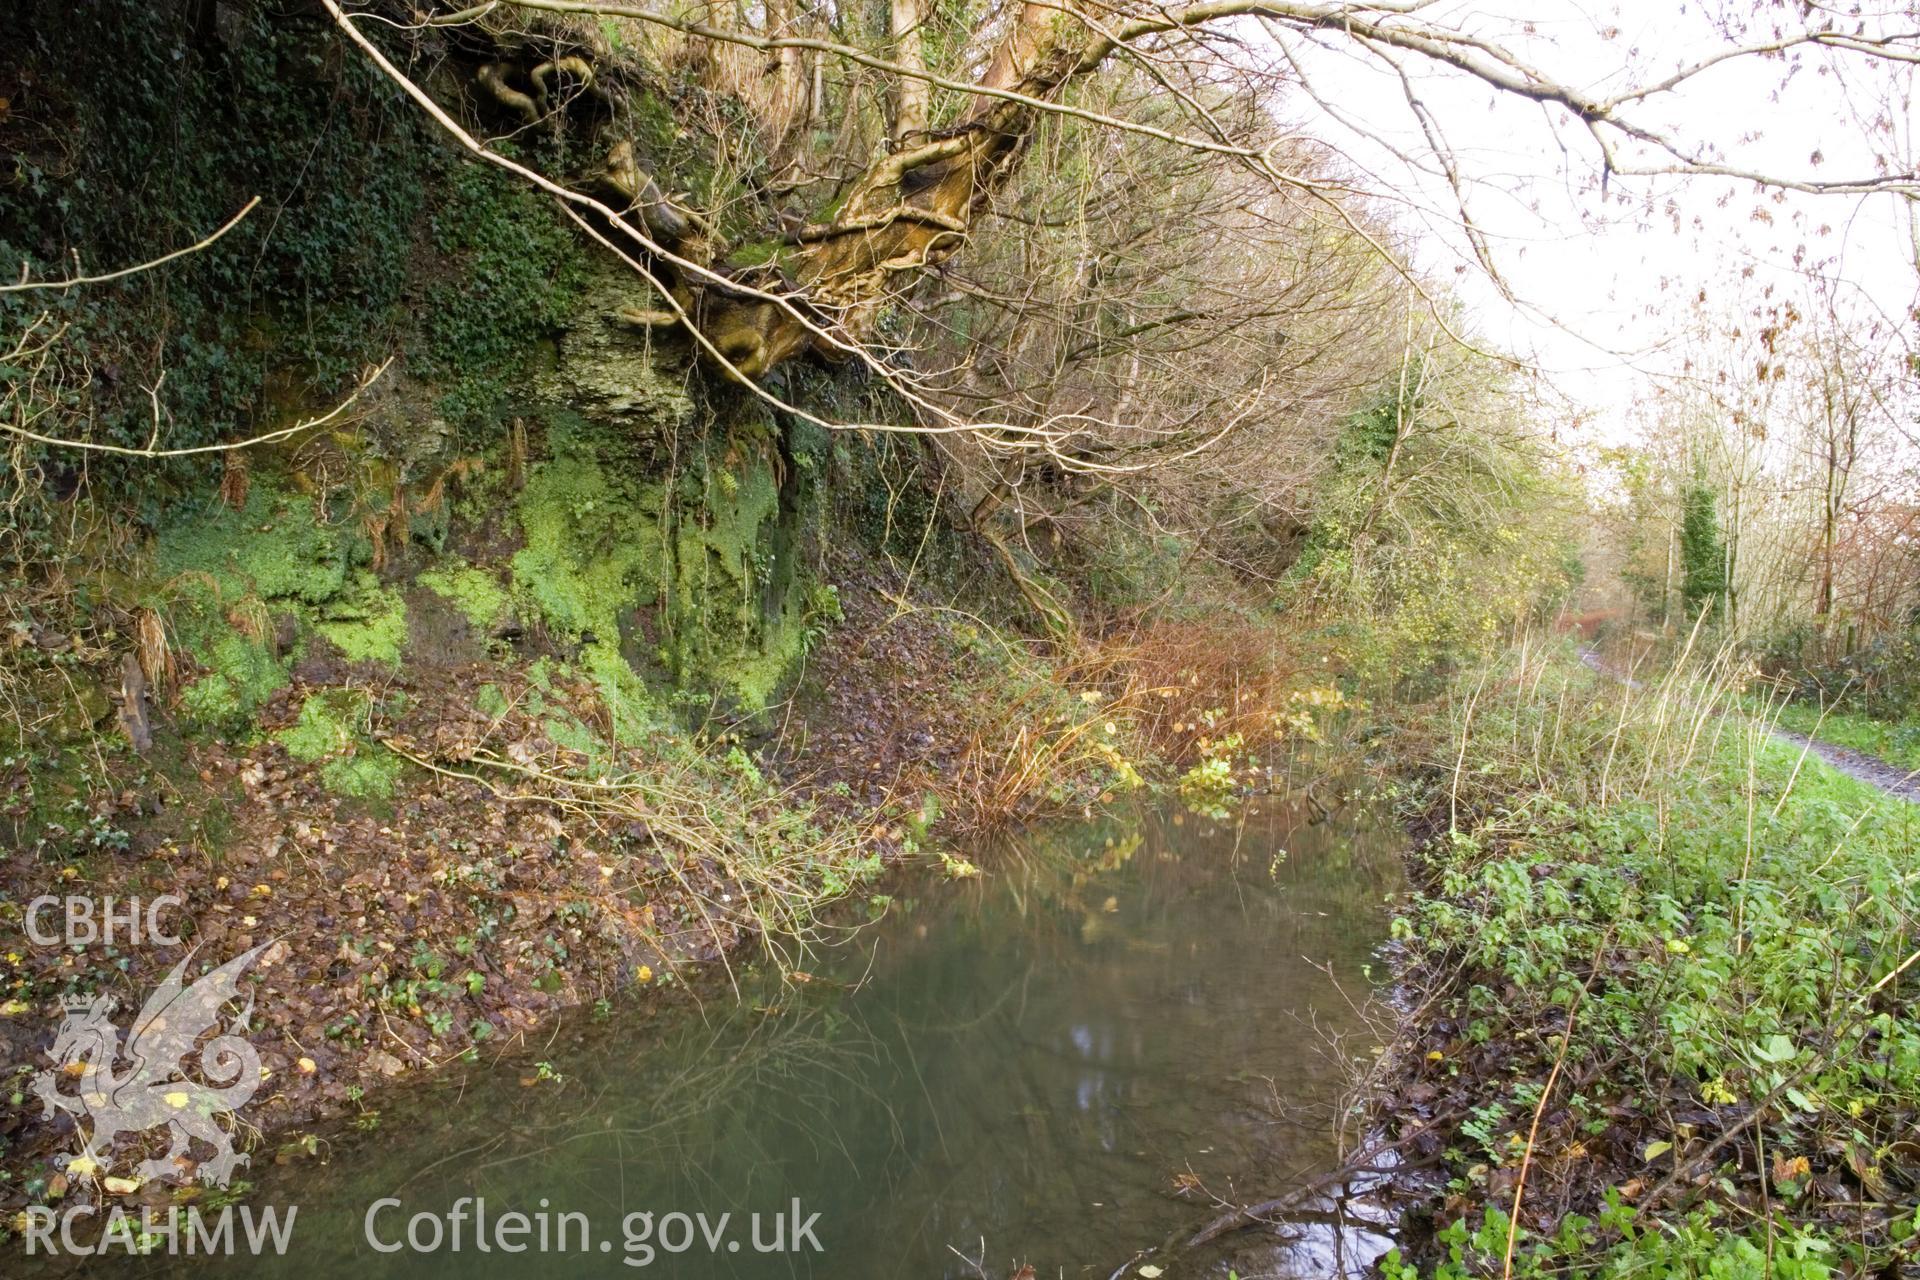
(1661, 966)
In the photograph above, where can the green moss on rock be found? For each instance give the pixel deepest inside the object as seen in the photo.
(490, 701)
(227, 580)
(242, 675)
(696, 577)
(632, 710)
(593, 540)
(275, 548)
(326, 725)
(331, 731)
(477, 594)
(368, 626)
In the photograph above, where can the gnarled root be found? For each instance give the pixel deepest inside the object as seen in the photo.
(638, 194)
(645, 318)
(573, 65)
(493, 78)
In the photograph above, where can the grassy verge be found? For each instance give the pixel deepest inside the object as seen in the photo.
(1898, 743)
(1670, 964)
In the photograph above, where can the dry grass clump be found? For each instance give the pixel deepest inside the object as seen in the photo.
(1154, 699)
(1194, 683)
(750, 858)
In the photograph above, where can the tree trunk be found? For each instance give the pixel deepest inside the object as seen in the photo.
(911, 210)
(910, 96)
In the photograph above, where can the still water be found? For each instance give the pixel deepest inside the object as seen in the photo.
(1072, 1059)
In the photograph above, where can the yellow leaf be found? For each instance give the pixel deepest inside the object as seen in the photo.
(121, 1186)
(1656, 1149)
(177, 1099)
(308, 1066)
(83, 1166)
(1716, 1091)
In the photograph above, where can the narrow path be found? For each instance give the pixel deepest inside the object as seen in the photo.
(1858, 765)
(1872, 770)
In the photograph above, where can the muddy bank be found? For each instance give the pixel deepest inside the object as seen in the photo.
(441, 856)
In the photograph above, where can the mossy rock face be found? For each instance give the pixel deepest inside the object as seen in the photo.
(326, 725)
(477, 594)
(367, 623)
(274, 548)
(245, 590)
(691, 579)
(242, 673)
(610, 372)
(594, 541)
(451, 615)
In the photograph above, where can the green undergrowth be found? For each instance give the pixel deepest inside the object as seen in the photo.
(1726, 927)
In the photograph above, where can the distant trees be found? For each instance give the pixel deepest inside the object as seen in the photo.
(1776, 480)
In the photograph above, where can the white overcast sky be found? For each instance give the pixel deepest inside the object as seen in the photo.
(1601, 285)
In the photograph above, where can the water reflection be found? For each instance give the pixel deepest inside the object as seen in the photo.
(1060, 1064)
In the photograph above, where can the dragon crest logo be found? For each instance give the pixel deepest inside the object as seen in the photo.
(151, 1087)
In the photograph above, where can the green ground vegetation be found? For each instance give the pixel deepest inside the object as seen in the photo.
(1896, 742)
(1696, 946)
